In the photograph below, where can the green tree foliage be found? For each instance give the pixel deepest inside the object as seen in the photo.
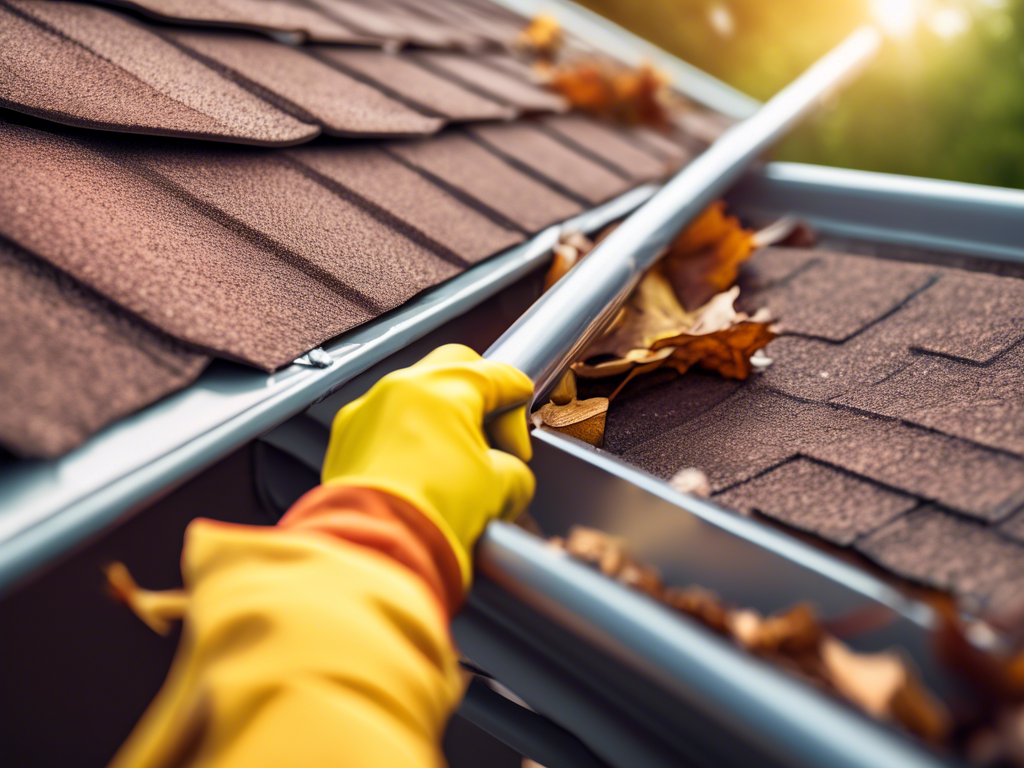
(937, 103)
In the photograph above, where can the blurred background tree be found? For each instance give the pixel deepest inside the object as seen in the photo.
(946, 100)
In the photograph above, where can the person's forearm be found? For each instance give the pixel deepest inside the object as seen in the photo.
(322, 641)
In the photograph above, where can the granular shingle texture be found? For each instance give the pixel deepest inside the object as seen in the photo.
(815, 497)
(980, 403)
(322, 94)
(941, 550)
(160, 256)
(254, 253)
(259, 15)
(80, 65)
(493, 82)
(608, 144)
(385, 182)
(305, 223)
(544, 157)
(818, 305)
(967, 315)
(402, 76)
(457, 161)
(74, 362)
(895, 386)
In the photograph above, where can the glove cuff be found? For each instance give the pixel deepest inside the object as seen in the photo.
(377, 499)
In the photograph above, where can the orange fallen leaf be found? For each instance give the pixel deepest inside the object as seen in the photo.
(705, 258)
(631, 96)
(570, 249)
(542, 37)
(883, 685)
(653, 330)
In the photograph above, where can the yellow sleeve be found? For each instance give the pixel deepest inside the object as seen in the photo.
(302, 647)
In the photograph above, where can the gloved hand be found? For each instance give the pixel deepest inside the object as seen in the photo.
(418, 435)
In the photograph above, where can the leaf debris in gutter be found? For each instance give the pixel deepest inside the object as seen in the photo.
(986, 726)
(681, 314)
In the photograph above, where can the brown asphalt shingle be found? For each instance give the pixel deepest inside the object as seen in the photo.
(382, 180)
(457, 161)
(321, 94)
(73, 361)
(608, 144)
(493, 82)
(941, 550)
(162, 257)
(820, 499)
(259, 15)
(544, 157)
(911, 394)
(410, 82)
(967, 315)
(86, 66)
(818, 305)
(252, 254)
(983, 404)
(335, 240)
(954, 472)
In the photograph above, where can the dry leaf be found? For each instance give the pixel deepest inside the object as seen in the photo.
(581, 419)
(700, 604)
(705, 258)
(632, 96)
(542, 38)
(571, 247)
(883, 685)
(654, 330)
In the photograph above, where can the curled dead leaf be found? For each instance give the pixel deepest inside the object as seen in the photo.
(706, 256)
(702, 605)
(571, 247)
(654, 330)
(631, 96)
(883, 685)
(582, 419)
(542, 38)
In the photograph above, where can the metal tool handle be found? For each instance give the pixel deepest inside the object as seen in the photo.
(560, 325)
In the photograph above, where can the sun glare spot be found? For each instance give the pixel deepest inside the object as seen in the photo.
(949, 23)
(897, 17)
(721, 20)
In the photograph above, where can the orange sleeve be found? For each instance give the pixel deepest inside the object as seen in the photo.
(321, 641)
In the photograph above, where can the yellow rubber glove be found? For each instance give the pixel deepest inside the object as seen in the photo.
(418, 435)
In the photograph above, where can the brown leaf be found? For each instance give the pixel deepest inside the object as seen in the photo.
(582, 419)
(542, 38)
(704, 606)
(632, 96)
(884, 685)
(654, 330)
(571, 247)
(705, 258)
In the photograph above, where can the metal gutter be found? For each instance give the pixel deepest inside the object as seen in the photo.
(49, 507)
(642, 685)
(883, 208)
(556, 329)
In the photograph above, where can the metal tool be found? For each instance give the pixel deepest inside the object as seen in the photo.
(562, 323)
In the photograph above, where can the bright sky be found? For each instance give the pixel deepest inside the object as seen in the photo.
(901, 18)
